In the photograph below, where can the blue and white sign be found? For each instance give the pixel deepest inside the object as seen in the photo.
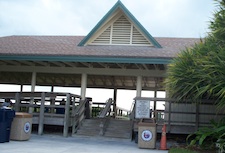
(146, 135)
(27, 127)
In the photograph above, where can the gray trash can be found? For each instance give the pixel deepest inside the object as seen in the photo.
(147, 133)
(21, 126)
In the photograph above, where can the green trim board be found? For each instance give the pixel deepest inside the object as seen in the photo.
(119, 5)
(88, 59)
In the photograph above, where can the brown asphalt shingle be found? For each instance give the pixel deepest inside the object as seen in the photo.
(67, 46)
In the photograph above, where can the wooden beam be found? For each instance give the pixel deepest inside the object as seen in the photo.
(66, 116)
(94, 71)
(17, 101)
(41, 114)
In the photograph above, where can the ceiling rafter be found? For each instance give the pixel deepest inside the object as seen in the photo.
(144, 82)
(89, 65)
(133, 81)
(123, 66)
(13, 62)
(71, 64)
(2, 63)
(123, 81)
(145, 66)
(139, 66)
(111, 79)
(42, 63)
(104, 81)
(60, 64)
(104, 65)
(156, 66)
(28, 63)
(92, 79)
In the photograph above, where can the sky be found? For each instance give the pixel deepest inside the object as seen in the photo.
(161, 18)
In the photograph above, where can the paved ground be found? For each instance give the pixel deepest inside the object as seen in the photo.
(58, 144)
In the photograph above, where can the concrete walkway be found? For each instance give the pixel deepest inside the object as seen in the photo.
(58, 144)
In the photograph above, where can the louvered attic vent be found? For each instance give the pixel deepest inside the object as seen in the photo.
(121, 32)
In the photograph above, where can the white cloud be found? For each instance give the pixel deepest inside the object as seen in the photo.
(173, 18)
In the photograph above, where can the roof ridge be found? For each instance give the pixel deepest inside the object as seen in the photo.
(120, 5)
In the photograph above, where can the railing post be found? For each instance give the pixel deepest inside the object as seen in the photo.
(101, 126)
(197, 116)
(17, 102)
(73, 115)
(41, 114)
(169, 116)
(66, 116)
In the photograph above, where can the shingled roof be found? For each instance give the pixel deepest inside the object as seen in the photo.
(117, 38)
(56, 46)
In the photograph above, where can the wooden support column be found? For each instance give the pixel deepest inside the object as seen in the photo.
(52, 100)
(21, 88)
(52, 88)
(17, 102)
(139, 86)
(197, 117)
(33, 83)
(169, 117)
(66, 116)
(83, 85)
(155, 96)
(73, 114)
(41, 114)
(114, 104)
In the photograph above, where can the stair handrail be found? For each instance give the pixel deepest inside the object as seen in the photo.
(106, 109)
(132, 117)
(79, 115)
(132, 111)
(104, 116)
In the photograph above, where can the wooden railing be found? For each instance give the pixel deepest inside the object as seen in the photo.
(184, 117)
(46, 107)
(79, 115)
(97, 108)
(104, 116)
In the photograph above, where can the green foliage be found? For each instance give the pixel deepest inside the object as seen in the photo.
(217, 25)
(209, 136)
(198, 72)
(181, 150)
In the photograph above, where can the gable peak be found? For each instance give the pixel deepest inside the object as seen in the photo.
(119, 27)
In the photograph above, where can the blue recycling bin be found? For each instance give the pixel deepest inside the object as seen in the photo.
(6, 118)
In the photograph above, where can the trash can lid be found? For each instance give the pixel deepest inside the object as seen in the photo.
(147, 122)
(23, 115)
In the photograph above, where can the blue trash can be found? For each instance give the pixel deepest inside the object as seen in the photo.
(6, 118)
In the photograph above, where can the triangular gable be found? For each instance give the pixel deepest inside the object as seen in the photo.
(119, 27)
